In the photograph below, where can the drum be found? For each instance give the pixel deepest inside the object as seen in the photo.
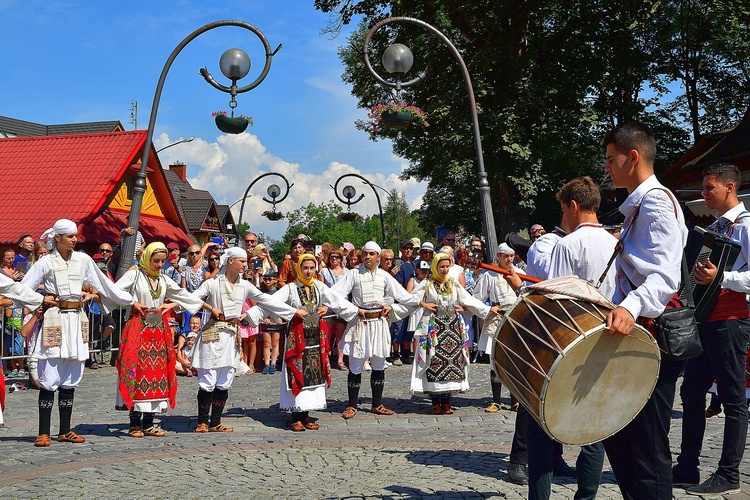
(580, 383)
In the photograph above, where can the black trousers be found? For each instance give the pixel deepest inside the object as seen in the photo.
(639, 454)
(724, 358)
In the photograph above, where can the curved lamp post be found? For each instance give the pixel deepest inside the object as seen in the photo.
(235, 65)
(349, 193)
(273, 191)
(189, 139)
(398, 60)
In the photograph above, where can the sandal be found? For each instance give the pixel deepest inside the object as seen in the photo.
(492, 408)
(70, 437)
(42, 441)
(349, 412)
(220, 428)
(309, 424)
(447, 410)
(202, 428)
(343, 367)
(135, 432)
(437, 409)
(297, 426)
(381, 410)
(154, 431)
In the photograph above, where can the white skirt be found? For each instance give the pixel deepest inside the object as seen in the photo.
(367, 338)
(489, 331)
(306, 400)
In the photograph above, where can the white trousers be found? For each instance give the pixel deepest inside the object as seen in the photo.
(210, 379)
(356, 365)
(55, 373)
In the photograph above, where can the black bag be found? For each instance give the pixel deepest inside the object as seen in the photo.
(676, 328)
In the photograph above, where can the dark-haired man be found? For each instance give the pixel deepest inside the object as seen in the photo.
(725, 336)
(25, 249)
(648, 275)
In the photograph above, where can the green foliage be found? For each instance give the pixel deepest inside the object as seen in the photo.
(550, 77)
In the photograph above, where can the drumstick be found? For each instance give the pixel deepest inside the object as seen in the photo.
(524, 277)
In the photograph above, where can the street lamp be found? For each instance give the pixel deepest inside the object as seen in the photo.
(189, 139)
(349, 193)
(273, 191)
(233, 62)
(397, 60)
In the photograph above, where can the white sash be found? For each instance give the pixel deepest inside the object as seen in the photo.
(371, 287)
(68, 279)
(232, 298)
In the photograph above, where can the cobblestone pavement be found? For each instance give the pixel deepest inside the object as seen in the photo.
(409, 455)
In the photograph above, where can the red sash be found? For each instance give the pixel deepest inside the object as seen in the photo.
(2, 391)
(729, 305)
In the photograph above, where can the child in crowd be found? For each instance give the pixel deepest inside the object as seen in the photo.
(249, 336)
(271, 327)
(185, 344)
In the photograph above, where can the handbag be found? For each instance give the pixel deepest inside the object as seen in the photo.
(676, 329)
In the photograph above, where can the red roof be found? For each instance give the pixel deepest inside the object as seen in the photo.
(106, 228)
(74, 177)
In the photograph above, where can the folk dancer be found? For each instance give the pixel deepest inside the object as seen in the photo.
(725, 336)
(14, 294)
(62, 344)
(368, 336)
(216, 354)
(146, 361)
(306, 371)
(585, 253)
(441, 363)
(648, 275)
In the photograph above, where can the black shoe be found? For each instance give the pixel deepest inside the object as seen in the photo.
(562, 469)
(94, 365)
(681, 476)
(517, 474)
(714, 485)
(409, 360)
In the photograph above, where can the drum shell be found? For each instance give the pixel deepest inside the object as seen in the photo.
(577, 381)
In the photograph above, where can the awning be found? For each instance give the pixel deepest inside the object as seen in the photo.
(106, 229)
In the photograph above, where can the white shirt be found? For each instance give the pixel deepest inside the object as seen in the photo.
(369, 288)
(492, 286)
(21, 295)
(585, 253)
(652, 253)
(537, 258)
(737, 280)
(135, 282)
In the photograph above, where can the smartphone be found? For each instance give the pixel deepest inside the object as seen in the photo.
(318, 249)
(257, 263)
(21, 267)
(217, 239)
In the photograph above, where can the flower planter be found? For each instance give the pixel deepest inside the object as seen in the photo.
(272, 215)
(348, 217)
(230, 125)
(396, 119)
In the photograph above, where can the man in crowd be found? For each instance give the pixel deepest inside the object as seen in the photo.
(648, 275)
(536, 231)
(25, 249)
(105, 250)
(725, 336)
(401, 338)
(251, 240)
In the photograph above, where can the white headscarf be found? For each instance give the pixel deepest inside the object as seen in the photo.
(232, 253)
(62, 226)
(371, 245)
(505, 248)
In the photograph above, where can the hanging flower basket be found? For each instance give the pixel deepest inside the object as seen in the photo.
(272, 215)
(231, 124)
(397, 116)
(348, 217)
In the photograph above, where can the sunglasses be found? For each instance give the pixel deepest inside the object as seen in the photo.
(193, 253)
(213, 258)
(104, 251)
(334, 257)
(250, 241)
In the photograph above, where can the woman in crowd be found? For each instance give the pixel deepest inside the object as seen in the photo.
(212, 269)
(146, 362)
(441, 369)
(306, 369)
(331, 274)
(354, 258)
(288, 273)
(192, 276)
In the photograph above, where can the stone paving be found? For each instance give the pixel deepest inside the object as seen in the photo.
(409, 455)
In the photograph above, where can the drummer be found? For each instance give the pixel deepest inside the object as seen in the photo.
(648, 275)
(583, 253)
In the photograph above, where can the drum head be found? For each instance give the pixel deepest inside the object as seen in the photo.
(599, 385)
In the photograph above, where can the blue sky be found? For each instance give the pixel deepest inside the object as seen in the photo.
(68, 61)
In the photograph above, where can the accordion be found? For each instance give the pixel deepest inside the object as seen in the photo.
(705, 244)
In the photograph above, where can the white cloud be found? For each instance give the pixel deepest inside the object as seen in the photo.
(226, 168)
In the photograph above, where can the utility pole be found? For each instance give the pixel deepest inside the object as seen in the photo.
(134, 114)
